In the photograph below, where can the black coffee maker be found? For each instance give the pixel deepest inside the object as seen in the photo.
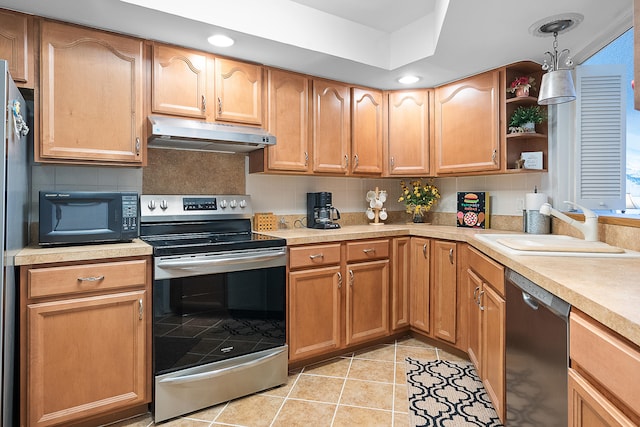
(320, 213)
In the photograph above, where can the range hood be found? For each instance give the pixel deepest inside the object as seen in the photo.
(187, 134)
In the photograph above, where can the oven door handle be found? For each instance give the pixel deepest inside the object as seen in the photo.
(218, 372)
(236, 259)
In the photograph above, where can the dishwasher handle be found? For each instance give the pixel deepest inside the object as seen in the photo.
(530, 301)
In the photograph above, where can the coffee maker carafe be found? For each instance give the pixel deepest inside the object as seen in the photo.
(320, 212)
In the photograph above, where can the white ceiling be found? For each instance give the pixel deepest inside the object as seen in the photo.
(366, 42)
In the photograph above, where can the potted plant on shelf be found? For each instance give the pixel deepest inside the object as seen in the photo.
(524, 119)
(418, 198)
(521, 86)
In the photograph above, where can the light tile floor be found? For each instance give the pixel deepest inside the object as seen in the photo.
(365, 388)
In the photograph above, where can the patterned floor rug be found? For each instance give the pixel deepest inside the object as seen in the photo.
(447, 394)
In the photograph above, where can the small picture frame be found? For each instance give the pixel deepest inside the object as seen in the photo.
(532, 160)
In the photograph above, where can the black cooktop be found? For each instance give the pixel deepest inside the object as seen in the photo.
(198, 237)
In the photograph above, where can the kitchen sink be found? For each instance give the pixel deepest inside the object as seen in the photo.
(552, 245)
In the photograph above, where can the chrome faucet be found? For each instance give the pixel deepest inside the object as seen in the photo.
(589, 227)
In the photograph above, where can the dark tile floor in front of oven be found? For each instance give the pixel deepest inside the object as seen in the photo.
(365, 388)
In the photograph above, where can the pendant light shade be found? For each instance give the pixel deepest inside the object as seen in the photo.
(556, 88)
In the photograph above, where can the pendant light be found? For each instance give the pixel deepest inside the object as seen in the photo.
(557, 84)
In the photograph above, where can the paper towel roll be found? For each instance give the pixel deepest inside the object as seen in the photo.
(533, 201)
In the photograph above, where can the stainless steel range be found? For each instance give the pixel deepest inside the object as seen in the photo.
(218, 302)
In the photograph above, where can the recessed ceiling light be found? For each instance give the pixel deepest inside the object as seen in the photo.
(407, 80)
(220, 40)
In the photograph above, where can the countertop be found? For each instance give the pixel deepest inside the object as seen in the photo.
(607, 289)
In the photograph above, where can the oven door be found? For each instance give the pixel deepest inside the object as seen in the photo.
(214, 307)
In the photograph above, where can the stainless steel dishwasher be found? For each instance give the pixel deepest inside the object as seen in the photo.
(537, 354)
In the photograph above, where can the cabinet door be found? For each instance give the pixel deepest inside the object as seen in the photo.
(473, 288)
(314, 311)
(367, 303)
(419, 284)
(91, 96)
(409, 131)
(590, 408)
(331, 127)
(467, 125)
(238, 92)
(444, 294)
(288, 96)
(400, 279)
(180, 82)
(493, 347)
(86, 356)
(16, 46)
(366, 131)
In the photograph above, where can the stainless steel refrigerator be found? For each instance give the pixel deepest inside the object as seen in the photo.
(14, 211)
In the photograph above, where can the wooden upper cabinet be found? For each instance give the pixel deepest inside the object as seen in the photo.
(16, 46)
(182, 82)
(331, 131)
(288, 97)
(366, 131)
(238, 92)
(467, 125)
(91, 97)
(409, 130)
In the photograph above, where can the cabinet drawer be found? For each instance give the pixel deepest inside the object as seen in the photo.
(317, 255)
(491, 271)
(610, 360)
(370, 249)
(49, 281)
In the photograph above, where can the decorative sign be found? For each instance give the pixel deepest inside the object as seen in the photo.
(473, 209)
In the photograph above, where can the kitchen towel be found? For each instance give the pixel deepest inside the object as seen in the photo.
(533, 201)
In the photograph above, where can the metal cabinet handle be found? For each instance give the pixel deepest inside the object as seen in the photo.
(339, 280)
(368, 251)
(346, 161)
(392, 162)
(479, 301)
(306, 158)
(424, 250)
(204, 103)
(140, 309)
(137, 146)
(355, 161)
(351, 278)
(451, 256)
(494, 155)
(475, 294)
(316, 256)
(90, 279)
(219, 105)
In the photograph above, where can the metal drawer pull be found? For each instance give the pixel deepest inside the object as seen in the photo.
(479, 298)
(368, 251)
(351, 278)
(140, 309)
(475, 293)
(339, 280)
(424, 250)
(90, 279)
(451, 256)
(316, 256)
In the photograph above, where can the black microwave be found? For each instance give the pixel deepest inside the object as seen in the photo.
(84, 217)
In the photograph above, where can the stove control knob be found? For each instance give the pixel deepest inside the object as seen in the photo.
(163, 205)
(152, 204)
(223, 204)
(233, 204)
(243, 203)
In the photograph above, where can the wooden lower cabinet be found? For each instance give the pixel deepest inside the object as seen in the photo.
(483, 284)
(367, 301)
(314, 311)
(85, 353)
(604, 378)
(400, 280)
(338, 296)
(444, 290)
(420, 267)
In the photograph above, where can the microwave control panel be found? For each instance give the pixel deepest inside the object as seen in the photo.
(129, 212)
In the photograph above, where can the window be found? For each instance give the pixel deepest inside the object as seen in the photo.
(620, 51)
